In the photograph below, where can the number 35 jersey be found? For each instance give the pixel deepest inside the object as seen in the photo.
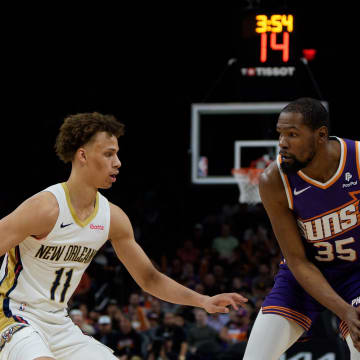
(44, 273)
(328, 213)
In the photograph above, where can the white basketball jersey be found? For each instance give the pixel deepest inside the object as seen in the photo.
(44, 273)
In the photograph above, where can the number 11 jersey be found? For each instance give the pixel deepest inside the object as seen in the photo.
(44, 273)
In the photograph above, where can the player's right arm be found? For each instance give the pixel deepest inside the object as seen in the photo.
(286, 231)
(36, 216)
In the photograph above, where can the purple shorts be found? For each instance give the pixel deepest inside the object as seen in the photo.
(287, 298)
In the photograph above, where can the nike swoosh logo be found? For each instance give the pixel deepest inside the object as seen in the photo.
(62, 225)
(301, 191)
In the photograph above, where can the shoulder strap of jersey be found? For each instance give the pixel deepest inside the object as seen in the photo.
(286, 184)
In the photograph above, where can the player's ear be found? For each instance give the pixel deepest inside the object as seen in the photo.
(81, 155)
(323, 133)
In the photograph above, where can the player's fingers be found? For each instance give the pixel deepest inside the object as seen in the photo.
(356, 345)
(234, 300)
(355, 328)
(355, 332)
(355, 336)
(218, 309)
(238, 298)
(232, 303)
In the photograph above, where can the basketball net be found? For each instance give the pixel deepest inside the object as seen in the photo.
(248, 180)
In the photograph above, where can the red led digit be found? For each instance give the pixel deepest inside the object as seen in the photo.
(284, 47)
(263, 47)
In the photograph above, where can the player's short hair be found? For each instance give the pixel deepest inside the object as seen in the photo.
(313, 111)
(79, 129)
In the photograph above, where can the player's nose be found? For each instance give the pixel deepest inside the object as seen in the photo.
(283, 144)
(117, 163)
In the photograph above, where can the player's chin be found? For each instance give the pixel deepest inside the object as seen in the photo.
(106, 186)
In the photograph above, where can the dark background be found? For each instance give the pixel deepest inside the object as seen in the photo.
(147, 64)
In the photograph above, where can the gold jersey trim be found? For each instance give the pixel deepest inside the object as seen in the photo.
(7, 285)
(72, 210)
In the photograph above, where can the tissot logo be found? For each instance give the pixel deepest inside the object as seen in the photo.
(96, 227)
(268, 71)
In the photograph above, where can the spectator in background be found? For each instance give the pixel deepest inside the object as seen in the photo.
(94, 316)
(200, 288)
(137, 313)
(198, 237)
(77, 317)
(175, 270)
(263, 279)
(128, 341)
(156, 307)
(225, 244)
(201, 334)
(236, 330)
(112, 307)
(220, 277)
(105, 333)
(188, 277)
(82, 291)
(90, 318)
(239, 262)
(217, 321)
(188, 253)
(261, 284)
(154, 322)
(171, 343)
(238, 285)
(181, 319)
(210, 286)
(114, 312)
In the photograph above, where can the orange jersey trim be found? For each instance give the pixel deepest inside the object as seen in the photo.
(337, 176)
(290, 314)
(344, 329)
(357, 146)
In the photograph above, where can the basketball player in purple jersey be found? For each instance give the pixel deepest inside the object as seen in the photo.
(311, 195)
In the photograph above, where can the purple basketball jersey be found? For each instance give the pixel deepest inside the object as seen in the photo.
(328, 213)
(328, 218)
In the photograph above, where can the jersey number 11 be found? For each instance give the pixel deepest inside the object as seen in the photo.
(56, 283)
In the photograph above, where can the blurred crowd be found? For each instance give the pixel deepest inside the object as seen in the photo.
(231, 251)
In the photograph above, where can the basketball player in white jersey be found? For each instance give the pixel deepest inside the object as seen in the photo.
(50, 239)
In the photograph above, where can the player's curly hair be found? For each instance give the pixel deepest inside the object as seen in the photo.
(313, 111)
(79, 129)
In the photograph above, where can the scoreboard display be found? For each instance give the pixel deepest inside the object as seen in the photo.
(271, 64)
(268, 39)
(270, 29)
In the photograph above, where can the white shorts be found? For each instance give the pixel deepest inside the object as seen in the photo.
(54, 336)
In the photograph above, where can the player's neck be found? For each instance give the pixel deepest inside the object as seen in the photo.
(82, 194)
(325, 163)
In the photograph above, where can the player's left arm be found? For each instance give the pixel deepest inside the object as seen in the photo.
(153, 281)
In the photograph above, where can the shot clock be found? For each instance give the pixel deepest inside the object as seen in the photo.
(271, 29)
(268, 39)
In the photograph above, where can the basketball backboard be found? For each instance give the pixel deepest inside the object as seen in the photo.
(226, 136)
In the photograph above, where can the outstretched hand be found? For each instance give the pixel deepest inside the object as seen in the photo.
(219, 303)
(353, 322)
